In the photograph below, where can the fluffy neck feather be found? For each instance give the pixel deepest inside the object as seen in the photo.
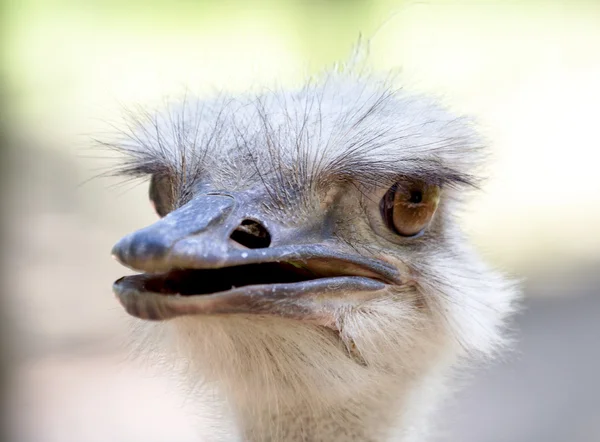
(283, 380)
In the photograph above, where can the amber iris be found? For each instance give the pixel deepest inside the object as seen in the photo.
(409, 206)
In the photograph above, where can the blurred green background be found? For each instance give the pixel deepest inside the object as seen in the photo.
(528, 71)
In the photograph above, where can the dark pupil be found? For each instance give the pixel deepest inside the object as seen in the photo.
(416, 196)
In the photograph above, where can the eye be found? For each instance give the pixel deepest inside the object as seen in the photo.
(408, 207)
(161, 194)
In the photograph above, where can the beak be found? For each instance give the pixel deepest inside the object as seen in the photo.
(221, 254)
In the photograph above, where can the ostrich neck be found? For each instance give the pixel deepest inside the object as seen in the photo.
(356, 416)
(388, 408)
(285, 381)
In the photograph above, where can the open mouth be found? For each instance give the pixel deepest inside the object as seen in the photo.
(272, 287)
(196, 282)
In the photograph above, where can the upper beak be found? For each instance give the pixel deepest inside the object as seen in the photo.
(196, 263)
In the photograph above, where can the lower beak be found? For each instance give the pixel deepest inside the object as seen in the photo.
(193, 267)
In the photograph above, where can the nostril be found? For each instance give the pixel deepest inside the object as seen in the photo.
(251, 234)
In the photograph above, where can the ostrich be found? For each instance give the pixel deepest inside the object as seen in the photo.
(307, 263)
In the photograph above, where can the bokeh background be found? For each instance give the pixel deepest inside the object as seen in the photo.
(529, 71)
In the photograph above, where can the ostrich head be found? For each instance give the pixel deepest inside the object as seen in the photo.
(307, 260)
